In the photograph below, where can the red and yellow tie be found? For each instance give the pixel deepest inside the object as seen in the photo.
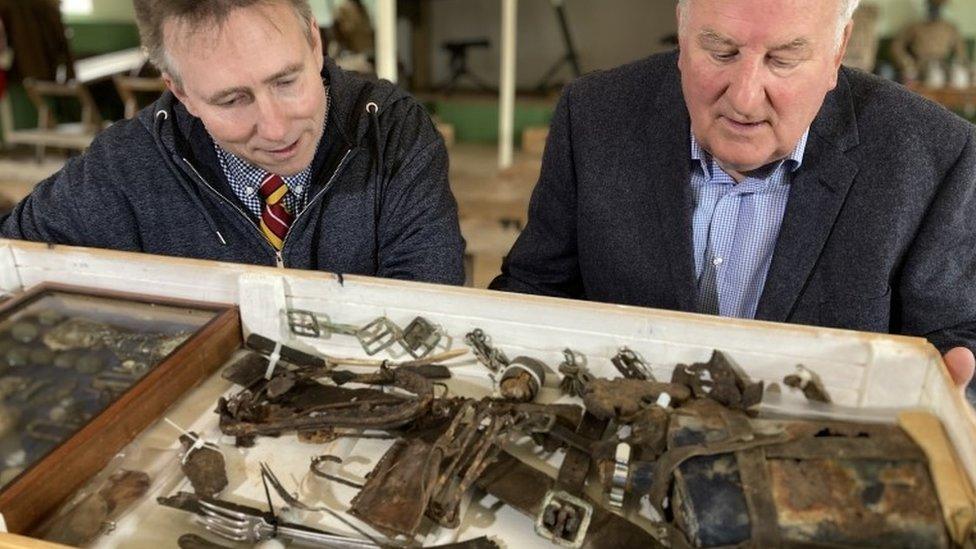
(275, 219)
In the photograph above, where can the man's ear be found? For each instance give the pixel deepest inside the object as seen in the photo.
(317, 50)
(174, 86)
(841, 52)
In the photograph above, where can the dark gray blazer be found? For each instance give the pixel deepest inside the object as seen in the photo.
(879, 232)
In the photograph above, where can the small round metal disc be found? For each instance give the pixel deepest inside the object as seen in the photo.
(49, 317)
(42, 356)
(66, 360)
(18, 356)
(24, 331)
(90, 364)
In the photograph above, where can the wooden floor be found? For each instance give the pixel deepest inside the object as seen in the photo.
(492, 204)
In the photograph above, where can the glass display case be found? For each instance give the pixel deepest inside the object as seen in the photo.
(81, 373)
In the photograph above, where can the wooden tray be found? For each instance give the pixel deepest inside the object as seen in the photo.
(36, 492)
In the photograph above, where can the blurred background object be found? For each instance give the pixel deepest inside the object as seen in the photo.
(862, 49)
(927, 50)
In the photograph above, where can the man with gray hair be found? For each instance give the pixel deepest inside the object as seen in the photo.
(750, 175)
(262, 151)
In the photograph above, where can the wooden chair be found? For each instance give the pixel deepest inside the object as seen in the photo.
(51, 132)
(131, 88)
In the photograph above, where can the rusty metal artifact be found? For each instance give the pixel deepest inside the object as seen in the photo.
(204, 465)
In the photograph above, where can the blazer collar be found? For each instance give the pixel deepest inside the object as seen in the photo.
(817, 193)
(661, 137)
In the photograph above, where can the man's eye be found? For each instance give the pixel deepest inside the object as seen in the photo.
(230, 102)
(723, 55)
(781, 63)
(286, 82)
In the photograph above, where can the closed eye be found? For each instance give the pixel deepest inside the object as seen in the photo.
(723, 55)
(230, 102)
(783, 63)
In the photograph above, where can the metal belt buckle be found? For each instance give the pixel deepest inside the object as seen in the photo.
(564, 519)
(420, 337)
(303, 323)
(378, 335)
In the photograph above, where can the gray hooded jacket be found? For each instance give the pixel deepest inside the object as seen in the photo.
(379, 202)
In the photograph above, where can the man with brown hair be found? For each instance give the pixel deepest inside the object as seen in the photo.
(262, 151)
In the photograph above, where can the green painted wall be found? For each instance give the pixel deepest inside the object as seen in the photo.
(476, 120)
(90, 37)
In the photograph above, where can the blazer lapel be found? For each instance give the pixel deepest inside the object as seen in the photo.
(817, 193)
(662, 149)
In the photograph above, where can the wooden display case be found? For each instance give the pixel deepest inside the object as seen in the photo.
(870, 377)
(86, 371)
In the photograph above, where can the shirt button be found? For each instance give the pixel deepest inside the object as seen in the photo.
(717, 261)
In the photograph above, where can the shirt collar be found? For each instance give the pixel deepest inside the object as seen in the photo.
(246, 177)
(794, 160)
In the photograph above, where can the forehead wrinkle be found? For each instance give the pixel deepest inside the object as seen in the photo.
(708, 35)
(793, 45)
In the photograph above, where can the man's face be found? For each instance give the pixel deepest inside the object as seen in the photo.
(255, 83)
(755, 73)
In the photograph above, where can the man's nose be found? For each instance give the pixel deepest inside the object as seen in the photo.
(747, 89)
(272, 120)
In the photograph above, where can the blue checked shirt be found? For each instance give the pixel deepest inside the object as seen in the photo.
(245, 178)
(735, 229)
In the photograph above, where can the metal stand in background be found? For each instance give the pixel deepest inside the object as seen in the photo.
(570, 57)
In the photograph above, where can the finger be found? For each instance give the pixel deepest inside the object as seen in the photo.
(961, 364)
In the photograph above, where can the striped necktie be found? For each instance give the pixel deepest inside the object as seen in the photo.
(275, 219)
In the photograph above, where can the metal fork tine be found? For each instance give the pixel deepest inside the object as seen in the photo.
(226, 534)
(220, 530)
(224, 527)
(222, 511)
(224, 520)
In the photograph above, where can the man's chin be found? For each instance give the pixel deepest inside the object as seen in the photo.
(287, 168)
(741, 163)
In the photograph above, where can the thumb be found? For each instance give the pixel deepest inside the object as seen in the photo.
(961, 363)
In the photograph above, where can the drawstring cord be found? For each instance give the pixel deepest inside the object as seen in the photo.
(372, 109)
(161, 117)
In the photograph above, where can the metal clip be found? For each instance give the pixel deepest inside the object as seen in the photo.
(564, 519)
(493, 358)
(575, 374)
(631, 366)
(621, 469)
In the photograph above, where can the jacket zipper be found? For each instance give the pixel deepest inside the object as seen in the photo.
(279, 262)
(326, 187)
(279, 259)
